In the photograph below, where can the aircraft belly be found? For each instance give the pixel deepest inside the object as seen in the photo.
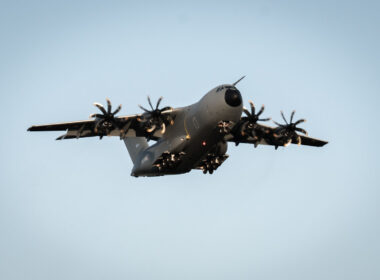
(198, 147)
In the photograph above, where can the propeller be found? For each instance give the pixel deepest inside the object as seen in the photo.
(155, 118)
(251, 119)
(106, 120)
(288, 130)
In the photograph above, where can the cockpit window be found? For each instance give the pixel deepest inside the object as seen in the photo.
(223, 87)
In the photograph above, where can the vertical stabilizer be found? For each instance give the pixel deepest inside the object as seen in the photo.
(135, 146)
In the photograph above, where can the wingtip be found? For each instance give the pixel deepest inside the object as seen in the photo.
(322, 143)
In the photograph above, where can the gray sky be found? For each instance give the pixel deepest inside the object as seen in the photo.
(70, 210)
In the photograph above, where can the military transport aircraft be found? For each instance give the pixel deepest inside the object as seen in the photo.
(186, 138)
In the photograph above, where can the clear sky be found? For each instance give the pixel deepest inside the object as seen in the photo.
(70, 210)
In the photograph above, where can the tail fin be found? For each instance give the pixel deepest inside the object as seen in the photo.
(135, 146)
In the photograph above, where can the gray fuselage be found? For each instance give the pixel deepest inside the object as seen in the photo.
(195, 133)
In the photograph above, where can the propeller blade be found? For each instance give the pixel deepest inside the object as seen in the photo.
(142, 108)
(292, 115)
(283, 117)
(163, 128)
(288, 143)
(117, 110)
(253, 109)
(280, 125)
(109, 106)
(301, 130)
(158, 102)
(96, 116)
(150, 103)
(150, 129)
(247, 112)
(300, 121)
(264, 120)
(101, 108)
(166, 109)
(299, 140)
(261, 111)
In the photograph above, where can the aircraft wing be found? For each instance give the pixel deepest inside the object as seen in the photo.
(123, 126)
(309, 141)
(266, 137)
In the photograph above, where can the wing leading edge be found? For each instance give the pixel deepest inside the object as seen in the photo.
(125, 126)
(122, 126)
(266, 135)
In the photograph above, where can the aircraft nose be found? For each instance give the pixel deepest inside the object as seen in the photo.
(233, 97)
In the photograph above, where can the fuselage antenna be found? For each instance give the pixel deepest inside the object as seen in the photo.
(235, 83)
